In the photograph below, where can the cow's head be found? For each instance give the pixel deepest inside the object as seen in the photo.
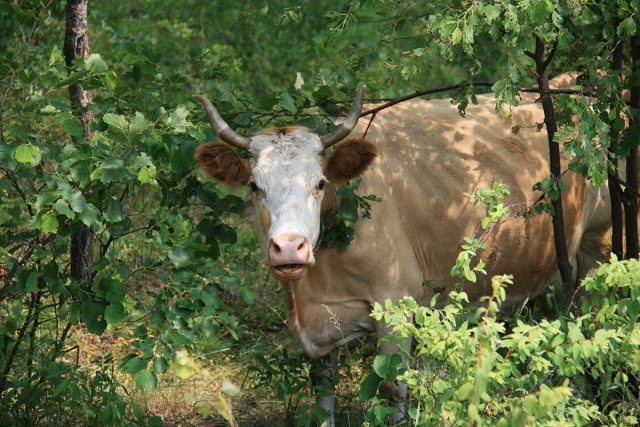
(288, 174)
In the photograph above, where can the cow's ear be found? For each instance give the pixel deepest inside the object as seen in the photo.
(349, 160)
(221, 162)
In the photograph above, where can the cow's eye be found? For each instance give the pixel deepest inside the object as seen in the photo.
(321, 184)
(253, 187)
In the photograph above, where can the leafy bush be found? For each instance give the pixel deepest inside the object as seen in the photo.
(470, 367)
(153, 275)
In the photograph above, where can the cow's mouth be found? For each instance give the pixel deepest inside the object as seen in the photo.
(286, 271)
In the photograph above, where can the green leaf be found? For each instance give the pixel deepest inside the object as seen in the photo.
(178, 120)
(47, 223)
(134, 365)
(80, 172)
(117, 122)
(574, 333)
(387, 365)
(31, 284)
(141, 160)
(28, 153)
(115, 313)
(63, 208)
(627, 27)
(90, 216)
(114, 211)
(45, 199)
(92, 314)
(74, 128)
(539, 12)
(369, 387)
(381, 413)
(180, 257)
(491, 12)
(55, 55)
(205, 408)
(160, 365)
(113, 290)
(95, 63)
(139, 124)
(112, 170)
(299, 81)
(225, 90)
(287, 102)
(147, 175)
(76, 201)
(456, 36)
(183, 371)
(60, 387)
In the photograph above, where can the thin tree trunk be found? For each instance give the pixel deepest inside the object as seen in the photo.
(615, 192)
(2, 141)
(76, 45)
(562, 255)
(631, 190)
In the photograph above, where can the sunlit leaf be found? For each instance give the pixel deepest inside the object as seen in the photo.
(180, 257)
(115, 313)
(95, 63)
(28, 153)
(178, 120)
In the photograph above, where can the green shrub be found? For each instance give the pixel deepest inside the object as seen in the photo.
(471, 368)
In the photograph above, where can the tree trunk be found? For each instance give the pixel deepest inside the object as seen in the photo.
(615, 191)
(555, 169)
(76, 45)
(629, 197)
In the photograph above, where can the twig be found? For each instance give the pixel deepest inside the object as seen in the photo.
(24, 256)
(14, 351)
(423, 93)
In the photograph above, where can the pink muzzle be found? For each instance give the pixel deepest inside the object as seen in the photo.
(288, 255)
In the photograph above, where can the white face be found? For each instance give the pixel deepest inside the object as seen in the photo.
(288, 185)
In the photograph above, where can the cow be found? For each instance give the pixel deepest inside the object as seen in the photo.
(420, 158)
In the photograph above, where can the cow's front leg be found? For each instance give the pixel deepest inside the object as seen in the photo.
(324, 376)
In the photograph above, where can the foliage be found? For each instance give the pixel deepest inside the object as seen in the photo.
(287, 377)
(491, 198)
(471, 367)
(154, 277)
(337, 225)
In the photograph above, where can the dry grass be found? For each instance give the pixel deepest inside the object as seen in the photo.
(177, 400)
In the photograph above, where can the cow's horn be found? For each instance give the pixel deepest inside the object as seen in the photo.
(343, 129)
(223, 130)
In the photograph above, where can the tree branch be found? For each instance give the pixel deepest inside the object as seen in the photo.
(562, 255)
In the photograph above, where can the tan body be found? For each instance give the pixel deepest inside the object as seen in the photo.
(428, 157)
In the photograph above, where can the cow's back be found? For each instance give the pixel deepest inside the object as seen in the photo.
(429, 158)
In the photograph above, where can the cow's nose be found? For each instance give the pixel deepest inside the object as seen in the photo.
(288, 249)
